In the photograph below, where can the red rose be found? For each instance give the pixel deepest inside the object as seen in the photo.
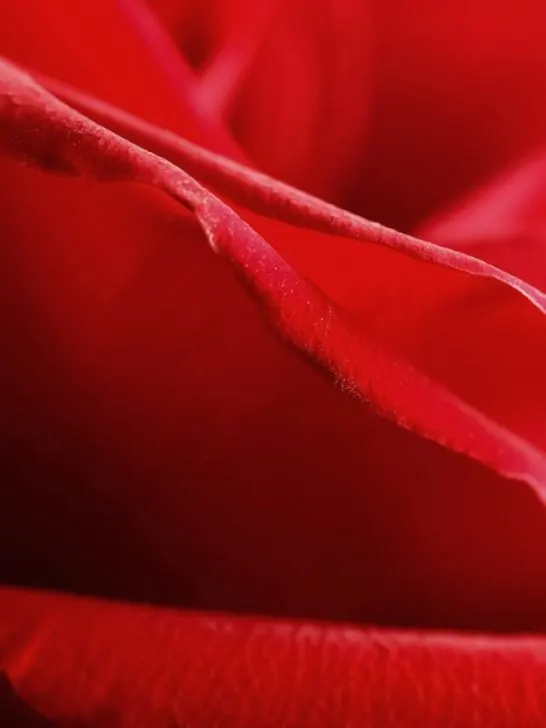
(307, 449)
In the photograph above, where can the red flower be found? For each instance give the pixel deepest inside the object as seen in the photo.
(309, 450)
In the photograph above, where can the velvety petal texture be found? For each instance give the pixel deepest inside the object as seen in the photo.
(292, 461)
(89, 663)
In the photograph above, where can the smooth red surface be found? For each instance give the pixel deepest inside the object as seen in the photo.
(219, 393)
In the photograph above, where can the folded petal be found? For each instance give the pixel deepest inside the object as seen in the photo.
(118, 51)
(309, 127)
(503, 222)
(457, 95)
(392, 109)
(171, 405)
(292, 79)
(437, 329)
(87, 663)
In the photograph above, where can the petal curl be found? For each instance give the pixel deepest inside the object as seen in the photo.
(118, 51)
(91, 664)
(503, 222)
(157, 424)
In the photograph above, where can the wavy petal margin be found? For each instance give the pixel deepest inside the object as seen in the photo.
(92, 664)
(303, 314)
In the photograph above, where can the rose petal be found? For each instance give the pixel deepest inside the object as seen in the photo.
(503, 222)
(161, 435)
(117, 51)
(91, 663)
(15, 712)
(505, 333)
(390, 108)
(292, 78)
(457, 95)
(315, 63)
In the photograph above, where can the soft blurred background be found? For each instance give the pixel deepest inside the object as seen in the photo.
(391, 108)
